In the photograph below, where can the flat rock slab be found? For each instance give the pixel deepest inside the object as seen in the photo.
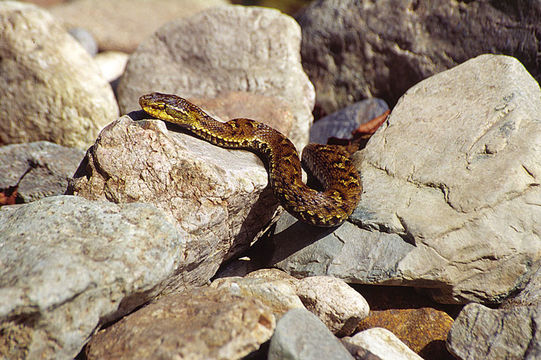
(451, 191)
(68, 264)
(354, 50)
(220, 50)
(218, 197)
(50, 88)
(36, 170)
(202, 323)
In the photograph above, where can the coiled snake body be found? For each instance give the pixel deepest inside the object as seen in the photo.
(330, 164)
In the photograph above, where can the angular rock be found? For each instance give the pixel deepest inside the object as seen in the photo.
(218, 197)
(37, 170)
(423, 330)
(483, 333)
(121, 25)
(338, 305)
(383, 344)
(245, 49)
(69, 265)
(458, 166)
(530, 295)
(300, 334)
(361, 49)
(50, 89)
(341, 123)
(202, 323)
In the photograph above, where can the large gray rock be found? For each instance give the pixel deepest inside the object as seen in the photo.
(69, 265)
(224, 49)
(355, 49)
(450, 191)
(301, 335)
(122, 24)
(202, 323)
(50, 88)
(483, 333)
(219, 197)
(36, 170)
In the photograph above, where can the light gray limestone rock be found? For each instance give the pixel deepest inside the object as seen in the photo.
(383, 344)
(483, 333)
(68, 265)
(300, 334)
(218, 197)
(50, 89)
(224, 49)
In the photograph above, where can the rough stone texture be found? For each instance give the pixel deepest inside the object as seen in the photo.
(341, 123)
(68, 264)
(300, 334)
(50, 89)
(423, 330)
(383, 344)
(360, 49)
(483, 333)
(338, 305)
(202, 323)
(121, 25)
(219, 197)
(278, 295)
(224, 49)
(530, 295)
(37, 170)
(458, 163)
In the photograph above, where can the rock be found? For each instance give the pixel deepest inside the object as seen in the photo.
(341, 123)
(247, 49)
(50, 88)
(458, 165)
(202, 323)
(531, 294)
(483, 333)
(300, 334)
(69, 264)
(423, 330)
(37, 170)
(111, 64)
(121, 25)
(381, 343)
(218, 197)
(85, 39)
(338, 305)
(361, 49)
(277, 295)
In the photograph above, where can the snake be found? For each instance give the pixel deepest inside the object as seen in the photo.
(340, 185)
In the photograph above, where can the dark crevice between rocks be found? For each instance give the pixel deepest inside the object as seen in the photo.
(10, 195)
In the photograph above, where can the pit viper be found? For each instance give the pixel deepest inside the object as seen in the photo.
(330, 164)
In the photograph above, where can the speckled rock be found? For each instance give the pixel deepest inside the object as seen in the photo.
(202, 323)
(483, 333)
(247, 49)
(69, 265)
(50, 89)
(36, 170)
(361, 49)
(219, 197)
(121, 25)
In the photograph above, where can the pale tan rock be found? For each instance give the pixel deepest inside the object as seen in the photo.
(222, 50)
(382, 343)
(218, 197)
(202, 323)
(111, 64)
(121, 25)
(338, 305)
(50, 89)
